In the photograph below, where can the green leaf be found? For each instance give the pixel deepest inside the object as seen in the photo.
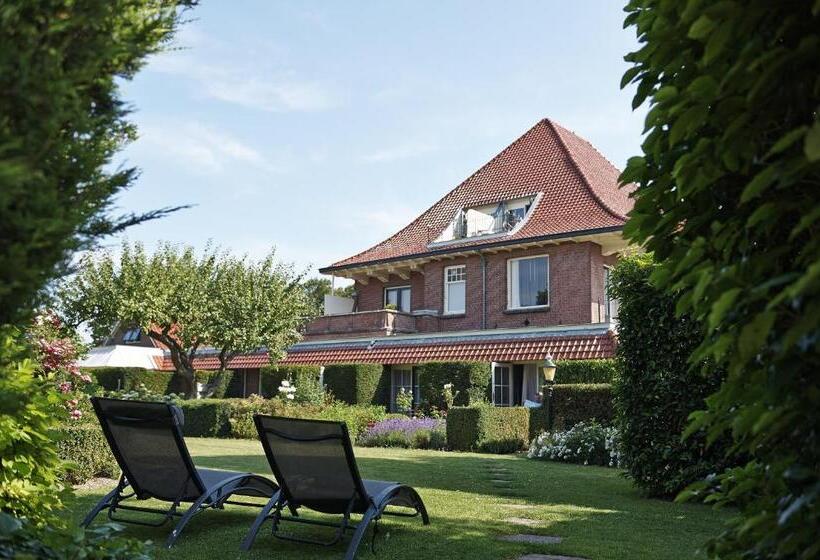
(701, 28)
(787, 140)
(665, 93)
(722, 305)
(811, 146)
(629, 75)
(753, 336)
(760, 183)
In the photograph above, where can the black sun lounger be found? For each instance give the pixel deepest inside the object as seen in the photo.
(146, 439)
(314, 465)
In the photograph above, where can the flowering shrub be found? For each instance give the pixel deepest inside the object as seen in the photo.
(404, 400)
(588, 443)
(57, 350)
(420, 433)
(143, 393)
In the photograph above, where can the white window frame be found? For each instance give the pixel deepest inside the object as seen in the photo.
(509, 385)
(447, 311)
(410, 297)
(510, 262)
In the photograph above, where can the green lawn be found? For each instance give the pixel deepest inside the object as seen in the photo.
(594, 510)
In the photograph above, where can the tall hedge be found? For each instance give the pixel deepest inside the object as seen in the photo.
(129, 378)
(470, 379)
(727, 200)
(271, 377)
(658, 389)
(358, 383)
(487, 428)
(585, 371)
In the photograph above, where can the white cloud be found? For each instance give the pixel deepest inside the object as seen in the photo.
(199, 146)
(263, 86)
(400, 152)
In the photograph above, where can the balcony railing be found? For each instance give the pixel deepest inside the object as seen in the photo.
(382, 322)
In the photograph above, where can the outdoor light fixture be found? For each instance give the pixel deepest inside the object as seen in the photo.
(549, 367)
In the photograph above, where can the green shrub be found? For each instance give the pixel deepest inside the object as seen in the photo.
(488, 428)
(657, 389)
(207, 417)
(85, 448)
(29, 412)
(23, 539)
(586, 371)
(470, 379)
(581, 403)
(358, 383)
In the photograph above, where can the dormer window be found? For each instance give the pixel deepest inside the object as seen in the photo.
(131, 335)
(488, 219)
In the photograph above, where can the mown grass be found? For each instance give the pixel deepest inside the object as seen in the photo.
(594, 510)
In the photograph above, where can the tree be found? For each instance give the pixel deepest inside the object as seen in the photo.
(62, 119)
(318, 288)
(255, 305)
(188, 303)
(61, 122)
(727, 201)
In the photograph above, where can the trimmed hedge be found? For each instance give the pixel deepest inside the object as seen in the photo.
(207, 417)
(581, 403)
(586, 371)
(358, 383)
(85, 448)
(574, 403)
(271, 377)
(127, 379)
(488, 428)
(470, 379)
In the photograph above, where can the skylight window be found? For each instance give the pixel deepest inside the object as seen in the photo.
(488, 219)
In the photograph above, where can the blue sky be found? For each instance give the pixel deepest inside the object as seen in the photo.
(323, 127)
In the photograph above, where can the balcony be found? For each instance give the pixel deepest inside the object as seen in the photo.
(382, 322)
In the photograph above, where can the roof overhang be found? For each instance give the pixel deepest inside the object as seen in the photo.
(610, 239)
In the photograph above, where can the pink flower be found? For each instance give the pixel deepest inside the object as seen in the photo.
(76, 414)
(65, 387)
(73, 402)
(85, 378)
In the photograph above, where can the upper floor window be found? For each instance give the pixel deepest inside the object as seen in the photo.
(488, 219)
(398, 297)
(455, 289)
(131, 335)
(528, 282)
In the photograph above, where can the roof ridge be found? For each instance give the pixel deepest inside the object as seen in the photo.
(418, 218)
(578, 169)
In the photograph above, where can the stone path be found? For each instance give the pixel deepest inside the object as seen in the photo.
(548, 557)
(525, 521)
(531, 539)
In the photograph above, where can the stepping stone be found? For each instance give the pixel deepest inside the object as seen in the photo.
(548, 557)
(533, 539)
(500, 482)
(524, 521)
(519, 506)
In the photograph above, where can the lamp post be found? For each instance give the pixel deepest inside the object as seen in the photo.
(548, 367)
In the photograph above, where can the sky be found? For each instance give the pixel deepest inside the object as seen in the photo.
(321, 128)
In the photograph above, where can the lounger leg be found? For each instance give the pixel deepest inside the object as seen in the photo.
(186, 517)
(247, 543)
(101, 505)
(425, 519)
(368, 516)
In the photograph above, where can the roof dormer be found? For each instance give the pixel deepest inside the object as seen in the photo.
(488, 220)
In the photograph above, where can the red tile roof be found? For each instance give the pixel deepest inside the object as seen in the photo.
(572, 347)
(579, 186)
(384, 351)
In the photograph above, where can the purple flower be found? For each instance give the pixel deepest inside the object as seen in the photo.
(406, 426)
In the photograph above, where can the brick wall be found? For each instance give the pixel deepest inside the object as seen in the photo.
(576, 290)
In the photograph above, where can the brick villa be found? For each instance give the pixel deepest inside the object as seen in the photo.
(506, 268)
